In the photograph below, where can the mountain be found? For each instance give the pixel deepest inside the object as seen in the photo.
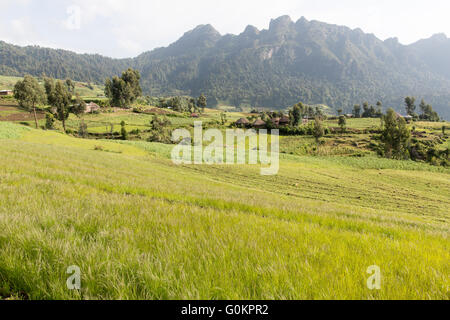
(435, 51)
(308, 61)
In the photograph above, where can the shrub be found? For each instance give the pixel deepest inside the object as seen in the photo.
(49, 121)
(82, 131)
(396, 136)
(123, 131)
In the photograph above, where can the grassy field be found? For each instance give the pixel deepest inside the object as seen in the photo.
(140, 227)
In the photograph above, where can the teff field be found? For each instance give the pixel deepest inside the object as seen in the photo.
(140, 227)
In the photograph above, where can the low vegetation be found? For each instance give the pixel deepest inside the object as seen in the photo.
(138, 231)
(99, 190)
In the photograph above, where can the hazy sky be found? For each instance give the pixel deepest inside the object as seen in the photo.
(124, 28)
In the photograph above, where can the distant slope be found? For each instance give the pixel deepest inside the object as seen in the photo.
(311, 61)
(435, 51)
(61, 64)
(81, 88)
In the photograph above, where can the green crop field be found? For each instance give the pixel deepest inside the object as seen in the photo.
(140, 227)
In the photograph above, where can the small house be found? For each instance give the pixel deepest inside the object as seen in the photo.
(195, 115)
(305, 121)
(6, 93)
(92, 107)
(408, 119)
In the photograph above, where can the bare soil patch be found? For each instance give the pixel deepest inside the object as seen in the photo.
(12, 113)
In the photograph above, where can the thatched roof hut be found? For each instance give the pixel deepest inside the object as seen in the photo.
(259, 124)
(284, 121)
(243, 122)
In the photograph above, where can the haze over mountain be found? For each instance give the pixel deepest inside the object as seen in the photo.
(308, 61)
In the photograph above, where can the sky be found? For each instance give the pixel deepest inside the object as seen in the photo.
(119, 28)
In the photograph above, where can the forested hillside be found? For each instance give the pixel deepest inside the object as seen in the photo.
(60, 64)
(308, 61)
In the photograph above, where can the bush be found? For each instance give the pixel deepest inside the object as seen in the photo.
(82, 130)
(123, 131)
(49, 121)
(101, 102)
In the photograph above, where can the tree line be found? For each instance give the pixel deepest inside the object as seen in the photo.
(123, 91)
(59, 95)
(428, 114)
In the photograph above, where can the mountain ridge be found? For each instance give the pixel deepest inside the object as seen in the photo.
(309, 61)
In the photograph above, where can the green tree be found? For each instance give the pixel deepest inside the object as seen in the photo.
(49, 85)
(428, 113)
(318, 130)
(296, 114)
(366, 112)
(357, 111)
(29, 94)
(340, 112)
(202, 102)
(79, 107)
(410, 103)
(379, 112)
(125, 90)
(192, 105)
(395, 136)
(160, 132)
(61, 99)
(82, 129)
(176, 104)
(343, 123)
(49, 121)
(223, 118)
(133, 79)
(114, 91)
(123, 131)
(70, 86)
(423, 107)
(319, 113)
